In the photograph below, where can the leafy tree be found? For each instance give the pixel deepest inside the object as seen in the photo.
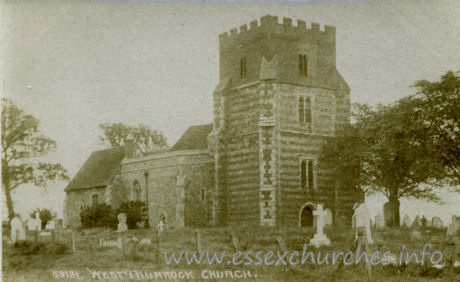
(438, 107)
(22, 147)
(44, 214)
(384, 152)
(114, 134)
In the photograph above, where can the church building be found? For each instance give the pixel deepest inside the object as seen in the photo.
(279, 99)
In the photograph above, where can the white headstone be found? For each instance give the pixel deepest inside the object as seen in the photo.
(362, 218)
(379, 221)
(18, 233)
(50, 225)
(320, 238)
(161, 225)
(121, 229)
(406, 221)
(328, 219)
(31, 224)
(436, 222)
(38, 222)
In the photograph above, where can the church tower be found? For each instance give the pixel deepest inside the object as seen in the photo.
(278, 100)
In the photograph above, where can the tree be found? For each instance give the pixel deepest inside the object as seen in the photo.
(384, 152)
(114, 134)
(438, 107)
(44, 214)
(22, 148)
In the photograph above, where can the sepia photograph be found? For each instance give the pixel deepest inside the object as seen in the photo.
(147, 140)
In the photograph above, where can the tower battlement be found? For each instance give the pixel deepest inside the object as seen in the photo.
(270, 24)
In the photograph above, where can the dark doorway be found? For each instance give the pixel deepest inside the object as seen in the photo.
(306, 217)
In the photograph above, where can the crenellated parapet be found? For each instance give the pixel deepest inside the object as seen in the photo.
(270, 24)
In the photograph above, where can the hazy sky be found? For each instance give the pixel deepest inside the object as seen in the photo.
(75, 65)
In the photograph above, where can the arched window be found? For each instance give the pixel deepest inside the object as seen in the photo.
(303, 175)
(310, 175)
(136, 193)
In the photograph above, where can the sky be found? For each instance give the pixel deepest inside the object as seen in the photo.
(77, 64)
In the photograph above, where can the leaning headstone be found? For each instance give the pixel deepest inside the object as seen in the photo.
(320, 238)
(379, 222)
(328, 218)
(388, 214)
(436, 222)
(236, 243)
(362, 219)
(18, 233)
(282, 244)
(121, 229)
(406, 221)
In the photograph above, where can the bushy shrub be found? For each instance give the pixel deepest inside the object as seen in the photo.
(99, 215)
(103, 215)
(136, 211)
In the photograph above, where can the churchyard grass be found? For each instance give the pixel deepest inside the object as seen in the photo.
(38, 266)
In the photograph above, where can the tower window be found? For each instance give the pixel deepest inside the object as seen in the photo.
(303, 65)
(243, 71)
(303, 175)
(307, 175)
(310, 175)
(203, 195)
(305, 113)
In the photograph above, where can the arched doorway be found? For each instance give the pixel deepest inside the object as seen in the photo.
(306, 218)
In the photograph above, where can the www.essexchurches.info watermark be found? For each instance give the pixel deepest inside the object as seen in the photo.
(295, 258)
(248, 258)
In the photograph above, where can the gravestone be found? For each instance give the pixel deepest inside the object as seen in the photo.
(379, 221)
(18, 233)
(161, 226)
(328, 219)
(236, 243)
(388, 214)
(38, 222)
(282, 244)
(453, 227)
(31, 224)
(362, 219)
(417, 224)
(436, 222)
(320, 238)
(415, 235)
(428, 223)
(50, 225)
(423, 221)
(121, 229)
(418, 219)
(406, 221)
